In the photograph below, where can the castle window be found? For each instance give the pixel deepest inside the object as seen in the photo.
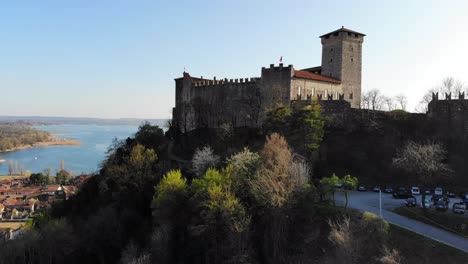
(331, 60)
(352, 59)
(331, 50)
(351, 96)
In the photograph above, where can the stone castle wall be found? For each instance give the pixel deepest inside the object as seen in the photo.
(449, 116)
(216, 103)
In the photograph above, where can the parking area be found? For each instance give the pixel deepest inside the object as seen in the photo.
(371, 199)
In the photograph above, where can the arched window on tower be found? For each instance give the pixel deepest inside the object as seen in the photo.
(351, 96)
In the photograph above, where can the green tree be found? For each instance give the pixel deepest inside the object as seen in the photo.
(243, 166)
(348, 183)
(62, 177)
(38, 179)
(171, 190)
(141, 161)
(277, 119)
(308, 123)
(328, 185)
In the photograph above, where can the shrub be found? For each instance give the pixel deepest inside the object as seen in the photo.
(222, 204)
(242, 167)
(203, 159)
(212, 178)
(171, 189)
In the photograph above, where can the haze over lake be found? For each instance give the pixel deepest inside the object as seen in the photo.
(85, 158)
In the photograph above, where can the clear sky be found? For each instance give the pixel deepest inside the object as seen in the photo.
(111, 58)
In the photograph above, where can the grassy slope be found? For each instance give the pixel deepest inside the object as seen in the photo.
(419, 249)
(448, 221)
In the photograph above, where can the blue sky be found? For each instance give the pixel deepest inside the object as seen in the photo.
(88, 58)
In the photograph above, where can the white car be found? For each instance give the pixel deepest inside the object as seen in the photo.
(427, 202)
(415, 191)
(438, 191)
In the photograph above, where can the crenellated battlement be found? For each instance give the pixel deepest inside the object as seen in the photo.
(280, 67)
(225, 81)
(448, 97)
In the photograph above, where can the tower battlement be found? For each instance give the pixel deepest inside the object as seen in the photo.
(224, 81)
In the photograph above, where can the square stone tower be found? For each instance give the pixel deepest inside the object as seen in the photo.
(342, 60)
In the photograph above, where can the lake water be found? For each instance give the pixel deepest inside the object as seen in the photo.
(84, 158)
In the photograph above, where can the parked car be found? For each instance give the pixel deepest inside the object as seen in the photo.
(338, 185)
(458, 208)
(427, 202)
(438, 191)
(436, 198)
(427, 190)
(388, 189)
(376, 189)
(451, 194)
(361, 188)
(401, 193)
(411, 202)
(465, 199)
(415, 191)
(441, 206)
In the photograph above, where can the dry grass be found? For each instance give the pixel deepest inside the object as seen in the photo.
(13, 225)
(10, 177)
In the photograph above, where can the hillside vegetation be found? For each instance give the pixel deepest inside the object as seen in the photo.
(246, 207)
(14, 136)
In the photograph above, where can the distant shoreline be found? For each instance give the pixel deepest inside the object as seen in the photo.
(51, 142)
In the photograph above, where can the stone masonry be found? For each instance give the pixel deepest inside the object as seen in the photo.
(217, 103)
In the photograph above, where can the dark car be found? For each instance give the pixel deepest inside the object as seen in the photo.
(401, 193)
(376, 189)
(411, 202)
(451, 194)
(465, 199)
(361, 188)
(436, 198)
(441, 206)
(388, 189)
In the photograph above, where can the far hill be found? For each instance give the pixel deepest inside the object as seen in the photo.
(53, 120)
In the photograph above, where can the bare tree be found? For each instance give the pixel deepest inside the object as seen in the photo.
(373, 99)
(401, 101)
(425, 161)
(422, 107)
(10, 168)
(448, 86)
(388, 102)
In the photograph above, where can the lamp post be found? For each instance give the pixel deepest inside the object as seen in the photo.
(380, 203)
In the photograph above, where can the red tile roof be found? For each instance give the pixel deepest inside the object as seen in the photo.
(313, 69)
(316, 77)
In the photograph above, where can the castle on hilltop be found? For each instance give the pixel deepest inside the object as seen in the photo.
(214, 103)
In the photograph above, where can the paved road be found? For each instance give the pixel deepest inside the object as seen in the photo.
(369, 201)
